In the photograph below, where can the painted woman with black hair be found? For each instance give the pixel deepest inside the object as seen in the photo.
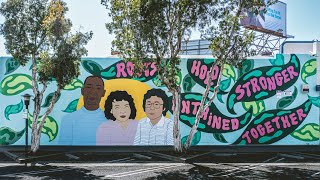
(121, 127)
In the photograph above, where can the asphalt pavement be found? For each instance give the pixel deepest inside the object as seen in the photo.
(159, 166)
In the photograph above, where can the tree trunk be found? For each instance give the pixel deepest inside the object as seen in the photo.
(202, 106)
(176, 94)
(35, 140)
(36, 129)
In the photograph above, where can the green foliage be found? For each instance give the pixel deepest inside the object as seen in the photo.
(40, 30)
(145, 27)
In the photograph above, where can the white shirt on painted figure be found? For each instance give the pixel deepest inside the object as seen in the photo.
(159, 134)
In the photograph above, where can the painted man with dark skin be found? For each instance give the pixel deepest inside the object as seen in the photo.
(155, 129)
(92, 92)
(79, 127)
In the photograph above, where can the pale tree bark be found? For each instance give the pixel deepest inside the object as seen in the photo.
(176, 97)
(36, 132)
(203, 106)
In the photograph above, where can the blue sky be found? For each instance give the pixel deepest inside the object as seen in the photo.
(89, 15)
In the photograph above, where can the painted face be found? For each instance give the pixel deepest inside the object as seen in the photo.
(154, 108)
(121, 110)
(92, 91)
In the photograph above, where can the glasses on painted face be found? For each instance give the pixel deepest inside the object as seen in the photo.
(155, 105)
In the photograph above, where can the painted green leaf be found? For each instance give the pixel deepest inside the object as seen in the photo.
(49, 99)
(279, 61)
(273, 125)
(11, 65)
(262, 83)
(225, 84)
(308, 69)
(247, 66)
(9, 136)
(219, 137)
(196, 139)
(13, 109)
(92, 67)
(229, 72)
(15, 84)
(179, 78)
(288, 100)
(309, 132)
(157, 81)
(315, 100)
(74, 85)
(188, 83)
(72, 106)
(50, 126)
(219, 96)
(257, 106)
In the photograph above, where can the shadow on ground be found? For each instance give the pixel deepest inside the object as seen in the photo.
(45, 172)
(202, 172)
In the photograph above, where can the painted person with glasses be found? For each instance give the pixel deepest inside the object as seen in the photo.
(155, 129)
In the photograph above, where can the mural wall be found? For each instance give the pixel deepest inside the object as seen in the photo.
(262, 103)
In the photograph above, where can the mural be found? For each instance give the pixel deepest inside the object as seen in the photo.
(262, 103)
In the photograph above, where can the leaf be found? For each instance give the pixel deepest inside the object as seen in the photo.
(92, 67)
(279, 61)
(179, 78)
(15, 84)
(196, 139)
(257, 107)
(11, 65)
(264, 84)
(288, 100)
(315, 100)
(157, 81)
(225, 84)
(247, 66)
(76, 83)
(9, 136)
(219, 137)
(50, 126)
(211, 120)
(308, 69)
(229, 72)
(219, 96)
(49, 99)
(188, 83)
(309, 132)
(13, 109)
(72, 106)
(273, 125)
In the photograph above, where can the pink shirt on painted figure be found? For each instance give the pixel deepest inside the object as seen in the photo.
(111, 133)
